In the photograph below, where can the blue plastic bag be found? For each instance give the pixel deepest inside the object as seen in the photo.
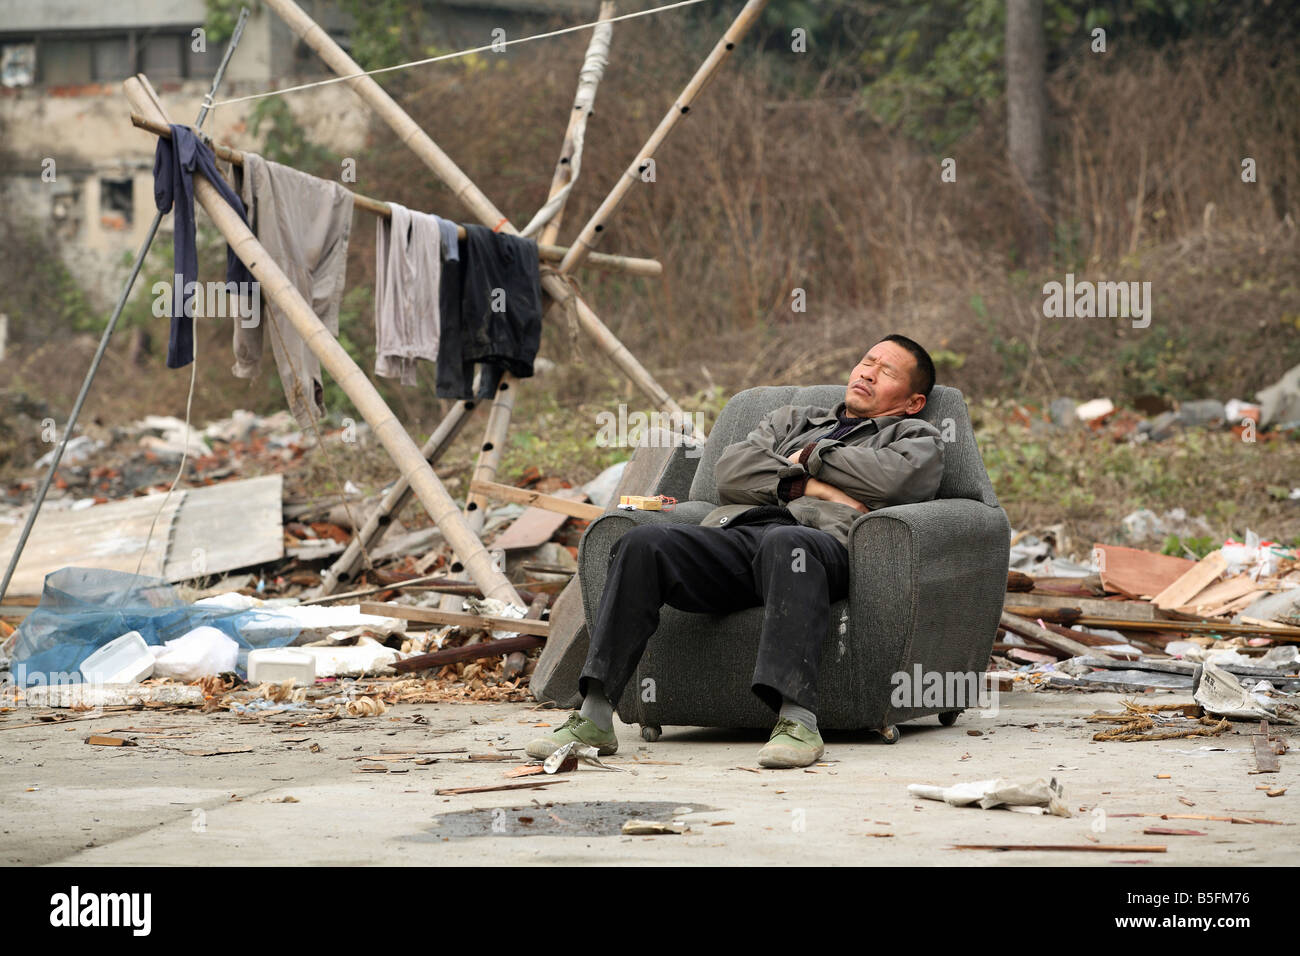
(82, 609)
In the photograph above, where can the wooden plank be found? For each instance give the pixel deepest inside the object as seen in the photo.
(1064, 847)
(530, 785)
(1129, 610)
(1232, 607)
(109, 536)
(1280, 632)
(1032, 632)
(470, 652)
(1229, 589)
(1265, 759)
(566, 505)
(1057, 615)
(201, 544)
(1192, 582)
(437, 616)
(1136, 573)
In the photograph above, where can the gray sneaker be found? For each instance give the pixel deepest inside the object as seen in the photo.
(578, 728)
(791, 745)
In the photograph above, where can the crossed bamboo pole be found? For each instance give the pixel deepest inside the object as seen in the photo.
(464, 188)
(334, 358)
(467, 192)
(492, 448)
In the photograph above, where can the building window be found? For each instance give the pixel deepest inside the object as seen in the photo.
(18, 64)
(112, 58)
(66, 62)
(162, 56)
(116, 203)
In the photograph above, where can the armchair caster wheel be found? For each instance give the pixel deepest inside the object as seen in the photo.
(650, 732)
(889, 733)
(949, 717)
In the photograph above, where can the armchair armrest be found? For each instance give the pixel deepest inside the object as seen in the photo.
(599, 538)
(927, 583)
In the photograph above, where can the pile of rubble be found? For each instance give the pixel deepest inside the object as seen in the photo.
(1225, 627)
(407, 630)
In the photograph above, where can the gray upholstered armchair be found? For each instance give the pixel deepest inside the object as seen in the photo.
(926, 588)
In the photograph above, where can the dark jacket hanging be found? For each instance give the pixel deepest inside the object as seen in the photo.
(174, 165)
(496, 318)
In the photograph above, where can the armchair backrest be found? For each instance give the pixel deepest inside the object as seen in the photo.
(964, 475)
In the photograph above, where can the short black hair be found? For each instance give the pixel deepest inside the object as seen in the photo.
(923, 377)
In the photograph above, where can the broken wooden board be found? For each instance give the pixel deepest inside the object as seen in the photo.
(436, 616)
(202, 542)
(1265, 758)
(1063, 847)
(1032, 632)
(468, 652)
(1223, 593)
(1192, 582)
(1136, 573)
(564, 501)
(1129, 610)
(537, 524)
(530, 785)
(109, 536)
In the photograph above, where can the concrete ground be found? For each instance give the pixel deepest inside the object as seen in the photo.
(63, 801)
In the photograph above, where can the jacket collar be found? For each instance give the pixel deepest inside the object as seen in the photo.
(841, 407)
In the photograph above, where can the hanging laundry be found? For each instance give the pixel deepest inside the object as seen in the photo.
(498, 321)
(450, 240)
(174, 163)
(408, 276)
(305, 224)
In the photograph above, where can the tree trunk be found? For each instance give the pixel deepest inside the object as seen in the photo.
(1026, 52)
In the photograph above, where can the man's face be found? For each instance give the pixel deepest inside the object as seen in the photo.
(881, 384)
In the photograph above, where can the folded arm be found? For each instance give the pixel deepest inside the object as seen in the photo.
(906, 470)
(751, 471)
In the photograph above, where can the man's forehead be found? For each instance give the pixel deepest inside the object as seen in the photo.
(881, 352)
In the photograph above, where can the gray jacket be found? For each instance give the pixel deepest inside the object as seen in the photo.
(884, 461)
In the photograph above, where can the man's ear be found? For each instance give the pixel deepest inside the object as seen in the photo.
(915, 404)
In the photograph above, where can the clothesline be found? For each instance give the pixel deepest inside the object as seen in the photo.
(495, 46)
(631, 265)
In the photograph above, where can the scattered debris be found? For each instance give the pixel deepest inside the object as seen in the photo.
(652, 828)
(1036, 796)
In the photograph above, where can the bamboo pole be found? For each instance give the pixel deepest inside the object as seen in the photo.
(566, 170)
(496, 433)
(582, 246)
(547, 251)
(492, 450)
(344, 568)
(464, 189)
(498, 426)
(335, 359)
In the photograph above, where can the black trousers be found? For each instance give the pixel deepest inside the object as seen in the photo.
(794, 572)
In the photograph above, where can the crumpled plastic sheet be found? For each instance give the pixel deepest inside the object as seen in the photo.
(82, 609)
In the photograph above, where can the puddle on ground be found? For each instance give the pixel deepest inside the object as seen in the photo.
(597, 818)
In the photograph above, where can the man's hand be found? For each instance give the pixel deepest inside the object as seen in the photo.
(820, 489)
